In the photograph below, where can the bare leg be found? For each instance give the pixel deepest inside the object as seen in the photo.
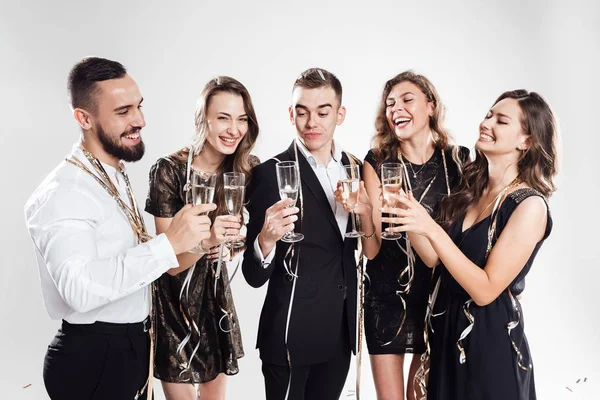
(179, 391)
(213, 390)
(410, 385)
(388, 374)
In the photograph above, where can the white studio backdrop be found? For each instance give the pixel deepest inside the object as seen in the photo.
(472, 51)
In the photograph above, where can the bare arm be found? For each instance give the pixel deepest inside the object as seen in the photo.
(371, 247)
(373, 187)
(523, 231)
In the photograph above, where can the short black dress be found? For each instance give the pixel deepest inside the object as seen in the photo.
(492, 369)
(217, 342)
(383, 306)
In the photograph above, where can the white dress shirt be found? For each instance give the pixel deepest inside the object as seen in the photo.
(91, 267)
(328, 177)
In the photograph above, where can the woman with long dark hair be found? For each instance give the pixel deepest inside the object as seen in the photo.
(198, 339)
(492, 229)
(410, 131)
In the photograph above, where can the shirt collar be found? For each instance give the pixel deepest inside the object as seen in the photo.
(336, 153)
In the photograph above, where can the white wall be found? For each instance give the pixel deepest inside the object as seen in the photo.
(472, 52)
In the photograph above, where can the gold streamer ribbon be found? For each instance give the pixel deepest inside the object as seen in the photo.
(133, 215)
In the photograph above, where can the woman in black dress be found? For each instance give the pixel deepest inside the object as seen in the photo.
(495, 225)
(197, 331)
(410, 131)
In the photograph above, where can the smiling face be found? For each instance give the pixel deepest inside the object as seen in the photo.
(501, 131)
(408, 111)
(226, 122)
(315, 113)
(117, 119)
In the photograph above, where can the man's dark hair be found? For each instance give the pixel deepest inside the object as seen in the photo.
(83, 77)
(314, 78)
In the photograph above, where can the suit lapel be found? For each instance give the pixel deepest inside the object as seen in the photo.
(310, 180)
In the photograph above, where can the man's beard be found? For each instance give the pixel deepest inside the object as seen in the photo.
(115, 149)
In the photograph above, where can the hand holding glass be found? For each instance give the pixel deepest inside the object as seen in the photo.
(391, 183)
(350, 184)
(203, 191)
(288, 180)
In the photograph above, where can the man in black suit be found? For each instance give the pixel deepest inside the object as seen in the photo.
(308, 321)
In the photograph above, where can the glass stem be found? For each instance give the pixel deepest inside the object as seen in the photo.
(353, 216)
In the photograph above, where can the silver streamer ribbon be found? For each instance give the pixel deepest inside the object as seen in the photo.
(293, 276)
(409, 272)
(420, 378)
(227, 315)
(512, 325)
(465, 332)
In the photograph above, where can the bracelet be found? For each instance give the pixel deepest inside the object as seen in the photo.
(371, 235)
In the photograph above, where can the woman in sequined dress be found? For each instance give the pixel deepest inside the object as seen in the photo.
(410, 130)
(495, 225)
(198, 335)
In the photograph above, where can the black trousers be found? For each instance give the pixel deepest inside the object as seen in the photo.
(98, 361)
(324, 381)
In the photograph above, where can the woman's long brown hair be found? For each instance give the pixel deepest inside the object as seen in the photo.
(537, 166)
(240, 160)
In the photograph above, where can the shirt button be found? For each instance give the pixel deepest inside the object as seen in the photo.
(340, 288)
(142, 283)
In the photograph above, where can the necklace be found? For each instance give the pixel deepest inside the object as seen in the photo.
(132, 211)
(432, 179)
(419, 171)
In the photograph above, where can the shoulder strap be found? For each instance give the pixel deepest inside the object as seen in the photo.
(521, 194)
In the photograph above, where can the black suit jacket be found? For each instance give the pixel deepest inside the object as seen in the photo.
(324, 303)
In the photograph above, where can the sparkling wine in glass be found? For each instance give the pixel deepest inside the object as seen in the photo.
(350, 185)
(391, 182)
(288, 180)
(234, 185)
(203, 191)
(203, 187)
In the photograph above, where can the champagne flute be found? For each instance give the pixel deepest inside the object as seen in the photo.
(350, 185)
(391, 182)
(288, 180)
(234, 184)
(203, 191)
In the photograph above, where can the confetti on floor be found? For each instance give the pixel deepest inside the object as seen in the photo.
(26, 386)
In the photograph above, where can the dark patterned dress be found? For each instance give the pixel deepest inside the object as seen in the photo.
(218, 345)
(492, 369)
(383, 307)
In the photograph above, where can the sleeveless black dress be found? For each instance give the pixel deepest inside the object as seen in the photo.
(493, 369)
(383, 307)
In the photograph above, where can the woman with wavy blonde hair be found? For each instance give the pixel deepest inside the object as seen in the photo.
(198, 339)
(410, 131)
